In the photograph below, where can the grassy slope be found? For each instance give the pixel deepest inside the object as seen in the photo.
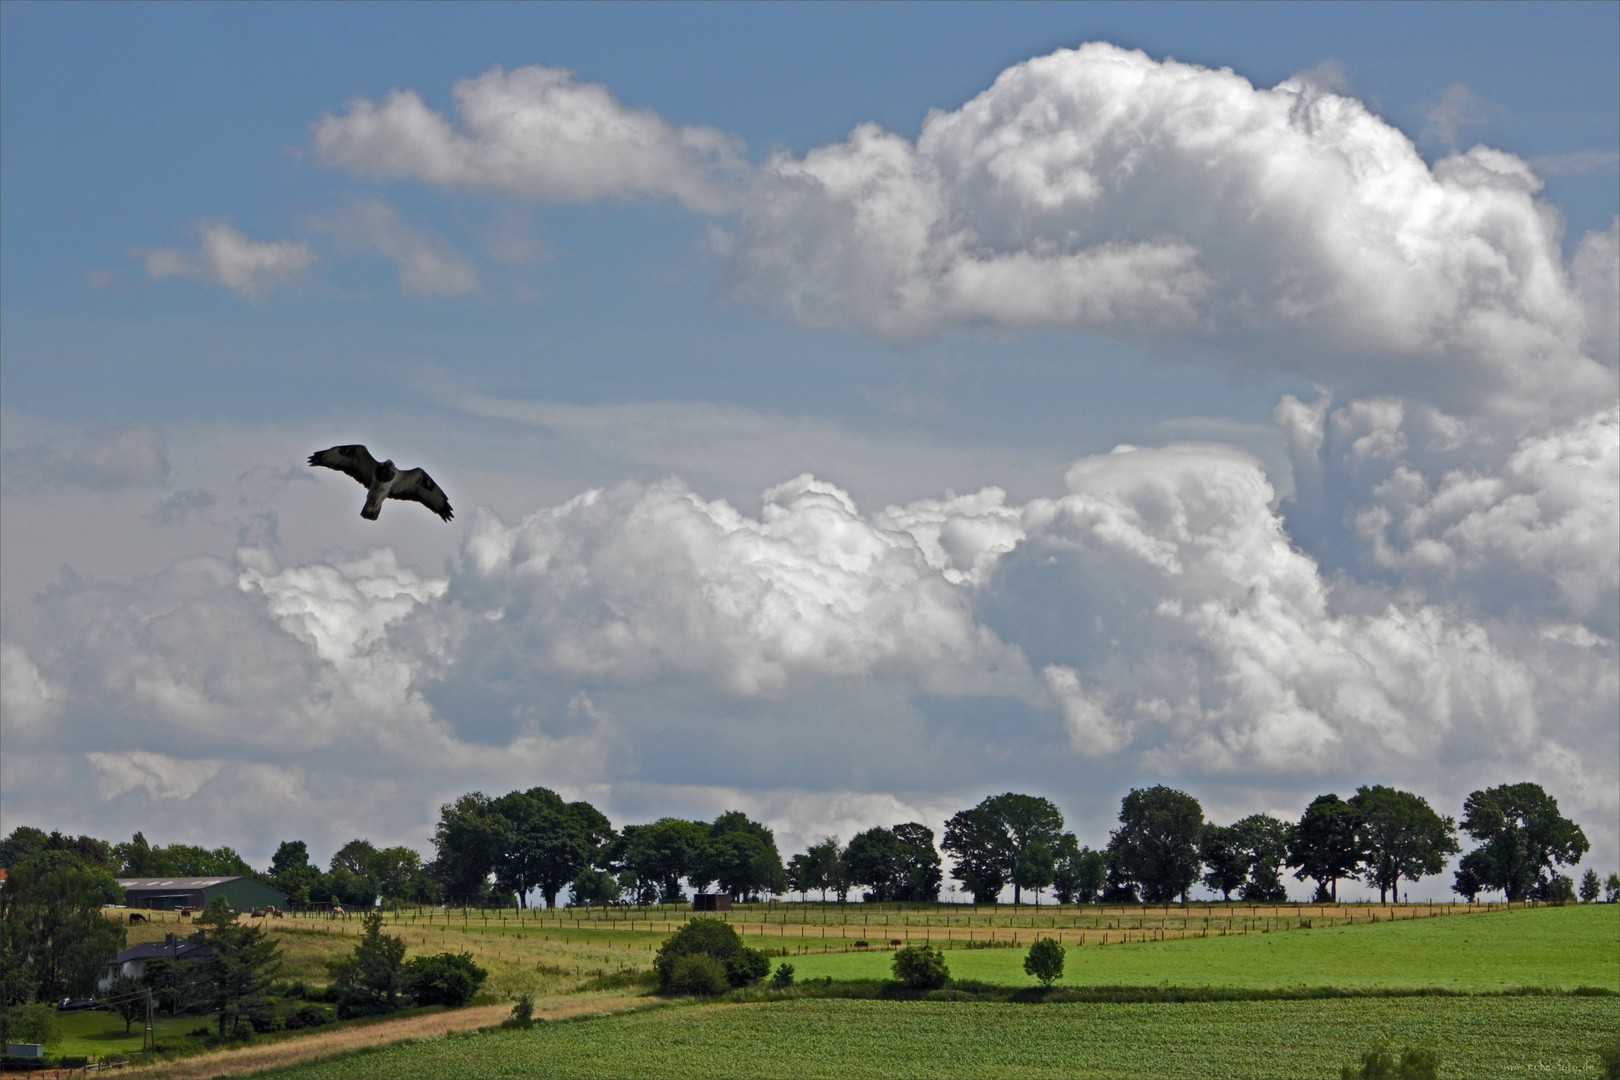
(1554, 947)
(1501, 1037)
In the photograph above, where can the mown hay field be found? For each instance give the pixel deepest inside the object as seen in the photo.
(1482, 1036)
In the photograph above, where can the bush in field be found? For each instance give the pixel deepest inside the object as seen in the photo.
(308, 1016)
(698, 974)
(783, 977)
(920, 967)
(739, 965)
(444, 979)
(260, 1014)
(747, 967)
(1045, 961)
(522, 1012)
(1379, 1064)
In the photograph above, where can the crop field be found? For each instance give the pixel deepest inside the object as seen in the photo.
(1499, 1037)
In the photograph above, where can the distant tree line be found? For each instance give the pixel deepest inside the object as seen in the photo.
(503, 850)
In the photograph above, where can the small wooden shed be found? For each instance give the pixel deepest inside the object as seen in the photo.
(704, 901)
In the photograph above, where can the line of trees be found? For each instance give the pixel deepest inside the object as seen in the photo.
(501, 850)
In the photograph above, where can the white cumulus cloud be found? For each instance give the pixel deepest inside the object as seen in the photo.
(1094, 189)
(535, 131)
(642, 581)
(226, 256)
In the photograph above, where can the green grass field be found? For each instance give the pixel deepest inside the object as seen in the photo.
(1497, 1037)
(1560, 948)
(97, 1034)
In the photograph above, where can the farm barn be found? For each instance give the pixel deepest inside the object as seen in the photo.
(167, 894)
(711, 902)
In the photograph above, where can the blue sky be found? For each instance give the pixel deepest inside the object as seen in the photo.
(1364, 343)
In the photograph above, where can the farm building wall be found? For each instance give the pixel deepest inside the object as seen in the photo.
(169, 894)
(245, 894)
(711, 902)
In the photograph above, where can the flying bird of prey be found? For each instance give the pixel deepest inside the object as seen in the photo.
(383, 481)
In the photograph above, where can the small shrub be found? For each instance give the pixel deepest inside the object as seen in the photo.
(449, 979)
(1609, 1060)
(1045, 961)
(783, 977)
(308, 1016)
(200, 1032)
(698, 974)
(1379, 1064)
(920, 967)
(746, 967)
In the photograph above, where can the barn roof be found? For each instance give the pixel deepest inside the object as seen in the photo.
(173, 882)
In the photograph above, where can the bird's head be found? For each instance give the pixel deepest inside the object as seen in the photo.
(386, 470)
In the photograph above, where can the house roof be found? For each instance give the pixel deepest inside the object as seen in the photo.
(151, 950)
(188, 884)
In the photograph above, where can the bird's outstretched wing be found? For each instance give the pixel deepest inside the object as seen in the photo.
(354, 460)
(418, 486)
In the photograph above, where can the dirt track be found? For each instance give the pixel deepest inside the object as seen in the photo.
(251, 1059)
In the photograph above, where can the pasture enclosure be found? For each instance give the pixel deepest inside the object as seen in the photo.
(1499, 1037)
(1458, 946)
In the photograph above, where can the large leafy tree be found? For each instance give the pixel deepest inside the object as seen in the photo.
(1034, 869)
(138, 858)
(1327, 844)
(821, 867)
(1156, 846)
(470, 839)
(291, 871)
(1402, 836)
(988, 839)
(544, 847)
(664, 852)
(742, 856)
(920, 860)
(23, 841)
(549, 842)
(50, 905)
(1262, 841)
(978, 843)
(1225, 865)
(1521, 836)
(875, 859)
(400, 875)
(1078, 873)
(351, 878)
